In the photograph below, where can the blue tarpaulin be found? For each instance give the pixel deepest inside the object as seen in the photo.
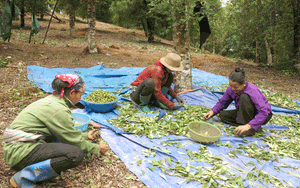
(130, 148)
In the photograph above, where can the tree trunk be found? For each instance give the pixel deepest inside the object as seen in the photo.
(92, 23)
(269, 54)
(150, 29)
(148, 24)
(181, 42)
(144, 26)
(296, 12)
(72, 22)
(22, 13)
(256, 53)
(214, 46)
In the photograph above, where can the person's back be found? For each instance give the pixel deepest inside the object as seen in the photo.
(37, 113)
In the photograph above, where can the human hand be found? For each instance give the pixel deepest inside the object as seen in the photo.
(176, 106)
(179, 99)
(92, 135)
(240, 130)
(96, 125)
(103, 148)
(208, 115)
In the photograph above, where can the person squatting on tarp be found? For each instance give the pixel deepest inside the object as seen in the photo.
(153, 84)
(252, 108)
(29, 147)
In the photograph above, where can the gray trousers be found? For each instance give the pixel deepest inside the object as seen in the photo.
(63, 156)
(146, 88)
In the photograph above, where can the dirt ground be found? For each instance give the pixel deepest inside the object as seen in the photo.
(119, 47)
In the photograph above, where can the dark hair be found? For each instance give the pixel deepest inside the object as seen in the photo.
(58, 84)
(238, 75)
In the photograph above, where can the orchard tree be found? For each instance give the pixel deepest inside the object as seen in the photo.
(92, 47)
(71, 9)
(181, 42)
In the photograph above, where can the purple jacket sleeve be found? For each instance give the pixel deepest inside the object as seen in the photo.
(223, 102)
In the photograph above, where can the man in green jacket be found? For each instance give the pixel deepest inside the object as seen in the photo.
(29, 139)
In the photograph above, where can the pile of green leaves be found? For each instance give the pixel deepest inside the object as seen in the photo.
(125, 95)
(130, 120)
(279, 99)
(218, 174)
(207, 176)
(100, 96)
(286, 120)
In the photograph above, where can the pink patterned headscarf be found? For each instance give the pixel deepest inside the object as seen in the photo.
(72, 79)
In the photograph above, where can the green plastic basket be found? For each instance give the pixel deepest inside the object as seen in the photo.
(204, 132)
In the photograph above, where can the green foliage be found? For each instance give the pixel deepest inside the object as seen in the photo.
(100, 96)
(82, 10)
(130, 120)
(4, 61)
(248, 22)
(38, 6)
(102, 11)
(127, 13)
(68, 5)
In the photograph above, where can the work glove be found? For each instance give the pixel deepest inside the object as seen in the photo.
(179, 99)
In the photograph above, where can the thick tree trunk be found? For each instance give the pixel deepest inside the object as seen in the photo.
(269, 54)
(92, 23)
(22, 13)
(72, 22)
(181, 42)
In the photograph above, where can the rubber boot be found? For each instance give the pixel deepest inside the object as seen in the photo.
(31, 174)
(144, 103)
(164, 91)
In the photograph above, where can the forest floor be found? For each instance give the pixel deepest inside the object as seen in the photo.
(119, 47)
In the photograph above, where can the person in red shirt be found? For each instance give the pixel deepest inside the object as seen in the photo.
(153, 84)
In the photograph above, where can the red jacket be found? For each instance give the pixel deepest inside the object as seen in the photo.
(160, 77)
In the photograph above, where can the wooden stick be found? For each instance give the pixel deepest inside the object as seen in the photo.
(50, 21)
(186, 91)
(33, 18)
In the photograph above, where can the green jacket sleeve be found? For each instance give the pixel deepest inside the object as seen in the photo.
(61, 125)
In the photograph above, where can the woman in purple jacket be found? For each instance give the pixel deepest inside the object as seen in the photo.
(252, 108)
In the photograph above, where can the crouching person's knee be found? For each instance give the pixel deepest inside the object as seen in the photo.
(76, 156)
